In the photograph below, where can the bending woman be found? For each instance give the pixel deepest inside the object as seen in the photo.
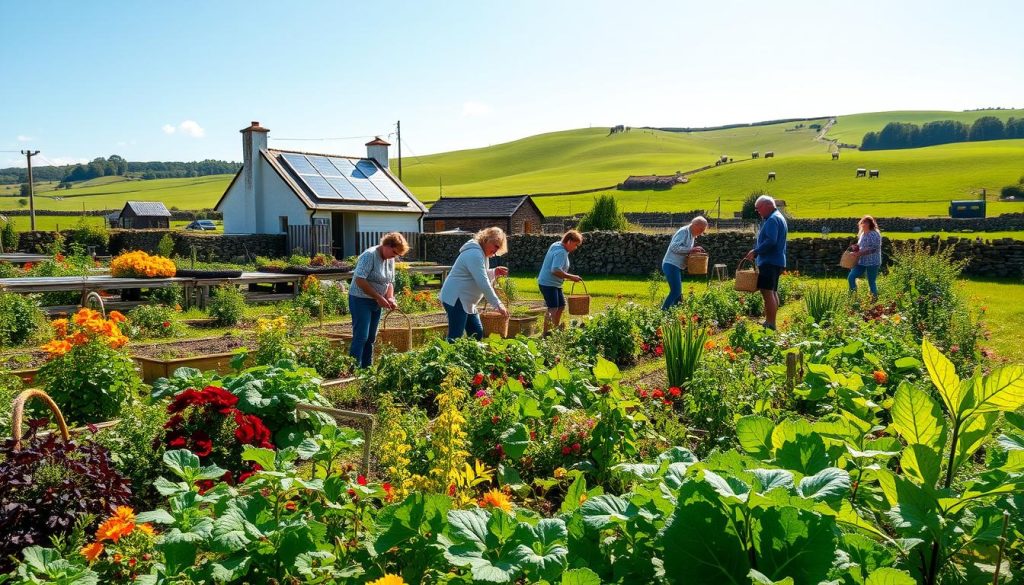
(373, 288)
(674, 262)
(470, 280)
(553, 273)
(869, 254)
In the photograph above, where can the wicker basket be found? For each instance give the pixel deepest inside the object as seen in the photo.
(399, 338)
(578, 304)
(696, 264)
(19, 414)
(746, 278)
(493, 321)
(849, 259)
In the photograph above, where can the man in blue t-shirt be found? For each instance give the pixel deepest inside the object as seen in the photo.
(770, 252)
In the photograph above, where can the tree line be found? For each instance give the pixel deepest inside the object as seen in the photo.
(115, 165)
(896, 135)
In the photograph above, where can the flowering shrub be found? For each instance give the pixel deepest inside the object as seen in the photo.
(273, 341)
(227, 305)
(153, 321)
(207, 423)
(87, 373)
(122, 549)
(139, 264)
(48, 485)
(322, 300)
(417, 302)
(20, 319)
(614, 334)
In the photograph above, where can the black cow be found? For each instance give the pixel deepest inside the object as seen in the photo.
(862, 172)
(755, 154)
(835, 156)
(769, 154)
(771, 176)
(873, 174)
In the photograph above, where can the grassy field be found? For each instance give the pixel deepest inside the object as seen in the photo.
(1004, 314)
(851, 129)
(110, 193)
(1018, 235)
(55, 223)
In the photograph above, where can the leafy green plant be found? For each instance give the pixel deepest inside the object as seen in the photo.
(604, 216)
(9, 237)
(613, 334)
(136, 444)
(823, 302)
(684, 345)
(328, 361)
(92, 382)
(153, 321)
(20, 319)
(227, 305)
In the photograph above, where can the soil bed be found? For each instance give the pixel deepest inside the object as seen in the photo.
(192, 347)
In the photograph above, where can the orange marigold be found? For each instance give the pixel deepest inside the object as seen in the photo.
(117, 317)
(496, 499)
(880, 377)
(57, 347)
(147, 528)
(125, 514)
(91, 551)
(709, 345)
(113, 529)
(60, 327)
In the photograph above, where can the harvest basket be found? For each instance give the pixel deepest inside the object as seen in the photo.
(849, 259)
(746, 278)
(493, 321)
(399, 338)
(696, 263)
(578, 304)
(19, 414)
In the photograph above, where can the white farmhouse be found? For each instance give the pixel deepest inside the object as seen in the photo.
(325, 203)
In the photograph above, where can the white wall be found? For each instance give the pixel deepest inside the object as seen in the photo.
(389, 222)
(236, 220)
(275, 198)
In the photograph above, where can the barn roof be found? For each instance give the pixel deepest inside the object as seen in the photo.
(147, 209)
(460, 207)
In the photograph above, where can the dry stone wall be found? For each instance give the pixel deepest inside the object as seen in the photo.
(208, 247)
(639, 254)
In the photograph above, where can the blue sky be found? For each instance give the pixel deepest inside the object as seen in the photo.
(176, 81)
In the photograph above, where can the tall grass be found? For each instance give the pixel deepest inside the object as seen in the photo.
(684, 345)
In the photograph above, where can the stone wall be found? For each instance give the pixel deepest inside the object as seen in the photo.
(208, 247)
(176, 214)
(639, 254)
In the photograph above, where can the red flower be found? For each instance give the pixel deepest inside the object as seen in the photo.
(201, 443)
(500, 451)
(495, 419)
(659, 350)
(451, 490)
(252, 431)
(641, 393)
(533, 435)
(361, 480)
(352, 493)
(674, 391)
(667, 402)
(167, 324)
(177, 443)
(658, 394)
(576, 447)
(478, 379)
(389, 492)
(566, 450)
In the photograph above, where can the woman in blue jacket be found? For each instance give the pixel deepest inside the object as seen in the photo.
(470, 280)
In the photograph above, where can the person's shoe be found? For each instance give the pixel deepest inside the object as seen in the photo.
(768, 325)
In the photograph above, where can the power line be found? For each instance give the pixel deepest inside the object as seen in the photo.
(312, 139)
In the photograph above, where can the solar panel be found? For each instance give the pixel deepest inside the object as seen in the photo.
(299, 164)
(359, 180)
(347, 189)
(321, 187)
(335, 178)
(323, 166)
(382, 182)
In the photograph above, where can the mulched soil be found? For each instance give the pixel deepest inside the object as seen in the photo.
(192, 347)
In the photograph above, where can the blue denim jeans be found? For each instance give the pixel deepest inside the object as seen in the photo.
(365, 318)
(858, 271)
(674, 276)
(460, 322)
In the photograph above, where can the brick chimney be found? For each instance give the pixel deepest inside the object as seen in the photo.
(377, 149)
(254, 139)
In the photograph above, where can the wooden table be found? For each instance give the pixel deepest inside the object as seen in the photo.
(439, 271)
(198, 289)
(85, 284)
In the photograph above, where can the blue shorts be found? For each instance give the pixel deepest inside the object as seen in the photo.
(768, 276)
(554, 298)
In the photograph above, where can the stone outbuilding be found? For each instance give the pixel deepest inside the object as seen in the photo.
(516, 214)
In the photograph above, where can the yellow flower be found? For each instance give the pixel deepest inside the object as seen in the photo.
(560, 473)
(388, 579)
(91, 551)
(57, 347)
(60, 326)
(147, 528)
(496, 499)
(113, 529)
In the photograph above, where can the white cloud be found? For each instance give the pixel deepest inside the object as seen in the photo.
(192, 128)
(187, 128)
(475, 109)
(23, 138)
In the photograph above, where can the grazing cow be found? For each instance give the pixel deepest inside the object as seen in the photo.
(873, 174)
(771, 176)
(770, 154)
(835, 155)
(862, 172)
(755, 154)
(723, 158)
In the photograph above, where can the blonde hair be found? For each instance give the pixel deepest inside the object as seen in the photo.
(572, 236)
(396, 241)
(493, 234)
(872, 225)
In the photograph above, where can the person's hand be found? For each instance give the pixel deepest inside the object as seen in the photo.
(501, 271)
(503, 311)
(749, 256)
(392, 303)
(575, 278)
(384, 302)
(698, 250)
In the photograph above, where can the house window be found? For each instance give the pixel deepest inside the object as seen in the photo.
(284, 223)
(438, 225)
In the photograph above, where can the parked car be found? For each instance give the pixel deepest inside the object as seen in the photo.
(201, 224)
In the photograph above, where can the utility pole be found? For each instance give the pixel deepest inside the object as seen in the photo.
(31, 189)
(399, 125)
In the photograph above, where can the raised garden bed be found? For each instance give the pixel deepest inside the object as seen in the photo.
(212, 353)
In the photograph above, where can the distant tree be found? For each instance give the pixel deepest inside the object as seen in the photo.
(9, 237)
(22, 202)
(25, 190)
(870, 141)
(943, 132)
(748, 211)
(1015, 128)
(988, 128)
(605, 216)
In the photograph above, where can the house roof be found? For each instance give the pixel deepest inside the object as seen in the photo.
(309, 198)
(378, 141)
(459, 207)
(147, 209)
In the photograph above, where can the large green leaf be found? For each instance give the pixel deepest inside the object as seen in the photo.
(265, 458)
(582, 576)
(477, 544)
(827, 485)
(705, 547)
(794, 543)
(469, 525)
(542, 548)
(922, 464)
(232, 568)
(182, 462)
(417, 514)
(805, 453)
(574, 495)
(917, 417)
(770, 479)
(1003, 389)
(889, 576)
(236, 527)
(515, 440)
(754, 434)
(915, 511)
(606, 510)
(943, 375)
(973, 434)
(606, 372)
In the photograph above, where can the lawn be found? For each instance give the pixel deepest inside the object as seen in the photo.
(63, 222)
(190, 193)
(1016, 235)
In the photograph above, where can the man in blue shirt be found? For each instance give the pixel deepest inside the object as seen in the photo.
(770, 252)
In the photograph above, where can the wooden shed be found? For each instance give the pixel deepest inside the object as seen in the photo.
(516, 214)
(144, 215)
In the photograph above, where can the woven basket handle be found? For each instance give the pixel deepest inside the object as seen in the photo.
(95, 296)
(573, 287)
(742, 260)
(408, 321)
(19, 414)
